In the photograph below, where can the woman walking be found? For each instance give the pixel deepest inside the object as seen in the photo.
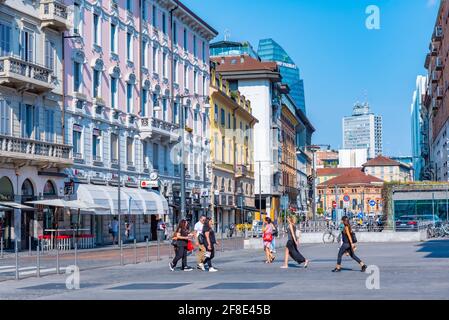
(182, 237)
(268, 229)
(292, 245)
(210, 241)
(348, 246)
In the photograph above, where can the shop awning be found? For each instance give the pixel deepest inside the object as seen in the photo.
(15, 205)
(132, 201)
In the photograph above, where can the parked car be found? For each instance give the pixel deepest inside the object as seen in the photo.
(407, 223)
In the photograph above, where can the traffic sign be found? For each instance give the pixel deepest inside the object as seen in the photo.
(334, 204)
(372, 203)
(346, 198)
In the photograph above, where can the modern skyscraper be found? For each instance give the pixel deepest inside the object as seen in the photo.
(363, 130)
(419, 133)
(270, 50)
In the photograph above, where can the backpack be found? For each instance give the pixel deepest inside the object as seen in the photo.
(275, 232)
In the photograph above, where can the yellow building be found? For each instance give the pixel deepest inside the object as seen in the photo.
(232, 153)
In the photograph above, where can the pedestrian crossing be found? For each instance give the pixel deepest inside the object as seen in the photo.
(24, 271)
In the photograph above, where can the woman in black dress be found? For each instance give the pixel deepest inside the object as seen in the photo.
(210, 241)
(182, 236)
(348, 246)
(292, 245)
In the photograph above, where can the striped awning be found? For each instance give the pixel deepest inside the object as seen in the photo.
(132, 201)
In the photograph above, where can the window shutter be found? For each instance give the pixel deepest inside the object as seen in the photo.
(36, 123)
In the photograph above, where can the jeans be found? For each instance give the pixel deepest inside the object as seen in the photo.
(347, 247)
(208, 261)
(273, 244)
(181, 253)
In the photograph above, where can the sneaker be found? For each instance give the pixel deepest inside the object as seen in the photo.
(364, 268)
(212, 269)
(188, 269)
(201, 266)
(170, 265)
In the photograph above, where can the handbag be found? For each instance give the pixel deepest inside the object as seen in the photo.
(190, 246)
(267, 237)
(353, 236)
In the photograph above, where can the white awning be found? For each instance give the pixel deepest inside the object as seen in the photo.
(15, 205)
(132, 201)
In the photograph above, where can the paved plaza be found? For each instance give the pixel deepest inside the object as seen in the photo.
(407, 271)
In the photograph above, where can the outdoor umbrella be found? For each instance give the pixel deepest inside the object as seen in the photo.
(81, 205)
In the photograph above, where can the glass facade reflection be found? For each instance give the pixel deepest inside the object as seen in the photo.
(422, 209)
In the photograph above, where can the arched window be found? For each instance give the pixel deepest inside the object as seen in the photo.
(6, 189)
(27, 188)
(49, 189)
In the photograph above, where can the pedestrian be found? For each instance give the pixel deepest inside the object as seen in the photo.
(267, 239)
(113, 230)
(292, 245)
(200, 241)
(210, 242)
(128, 231)
(349, 240)
(182, 237)
(275, 234)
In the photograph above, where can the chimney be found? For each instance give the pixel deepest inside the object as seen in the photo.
(242, 58)
(222, 60)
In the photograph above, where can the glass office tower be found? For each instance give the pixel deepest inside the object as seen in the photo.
(269, 50)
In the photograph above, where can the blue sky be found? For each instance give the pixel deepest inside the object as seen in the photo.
(339, 58)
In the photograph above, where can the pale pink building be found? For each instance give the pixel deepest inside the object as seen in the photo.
(118, 69)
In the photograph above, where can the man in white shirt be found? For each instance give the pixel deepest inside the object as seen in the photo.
(198, 229)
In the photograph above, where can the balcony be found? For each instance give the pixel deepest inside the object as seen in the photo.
(21, 151)
(439, 93)
(24, 75)
(434, 50)
(438, 34)
(435, 76)
(438, 64)
(156, 129)
(241, 171)
(54, 14)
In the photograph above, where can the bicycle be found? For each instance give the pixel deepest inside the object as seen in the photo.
(329, 235)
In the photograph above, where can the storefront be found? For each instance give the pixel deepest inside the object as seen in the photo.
(6, 213)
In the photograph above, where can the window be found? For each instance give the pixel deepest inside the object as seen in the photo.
(77, 19)
(194, 46)
(186, 76)
(50, 55)
(96, 84)
(164, 23)
(223, 117)
(175, 113)
(186, 47)
(175, 33)
(114, 92)
(154, 103)
(49, 125)
(96, 145)
(154, 59)
(77, 142)
(195, 82)
(154, 17)
(144, 53)
(195, 121)
(155, 156)
(164, 109)
(144, 10)
(76, 77)
(229, 120)
(96, 29)
(129, 97)
(175, 71)
(215, 113)
(27, 46)
(164, 65)
(27, 115)
(114, 148)
(5, 118)
(223, 149)
(5, 39)
(129, 4)
(203, 51)
(144, 102)
(129, 47)
(165, 159)
(113, 38)
(129, 151)
(204, 85)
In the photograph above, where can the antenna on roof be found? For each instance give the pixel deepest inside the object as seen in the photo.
(365, 95)
(227, 35)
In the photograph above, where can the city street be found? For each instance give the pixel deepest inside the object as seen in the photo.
(407, 271)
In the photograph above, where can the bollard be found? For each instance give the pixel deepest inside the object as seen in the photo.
(148, 251)
(38, 261)
(158, 249)
(221, 242)
(29, 246)
(57, 256)
(16, 249)
(135, 251)
(76, 253)
(121, 252)
(1, 247)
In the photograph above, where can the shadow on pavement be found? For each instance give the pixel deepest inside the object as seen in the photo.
(435, 248)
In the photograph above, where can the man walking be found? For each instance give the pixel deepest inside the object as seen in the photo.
(198, 230)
